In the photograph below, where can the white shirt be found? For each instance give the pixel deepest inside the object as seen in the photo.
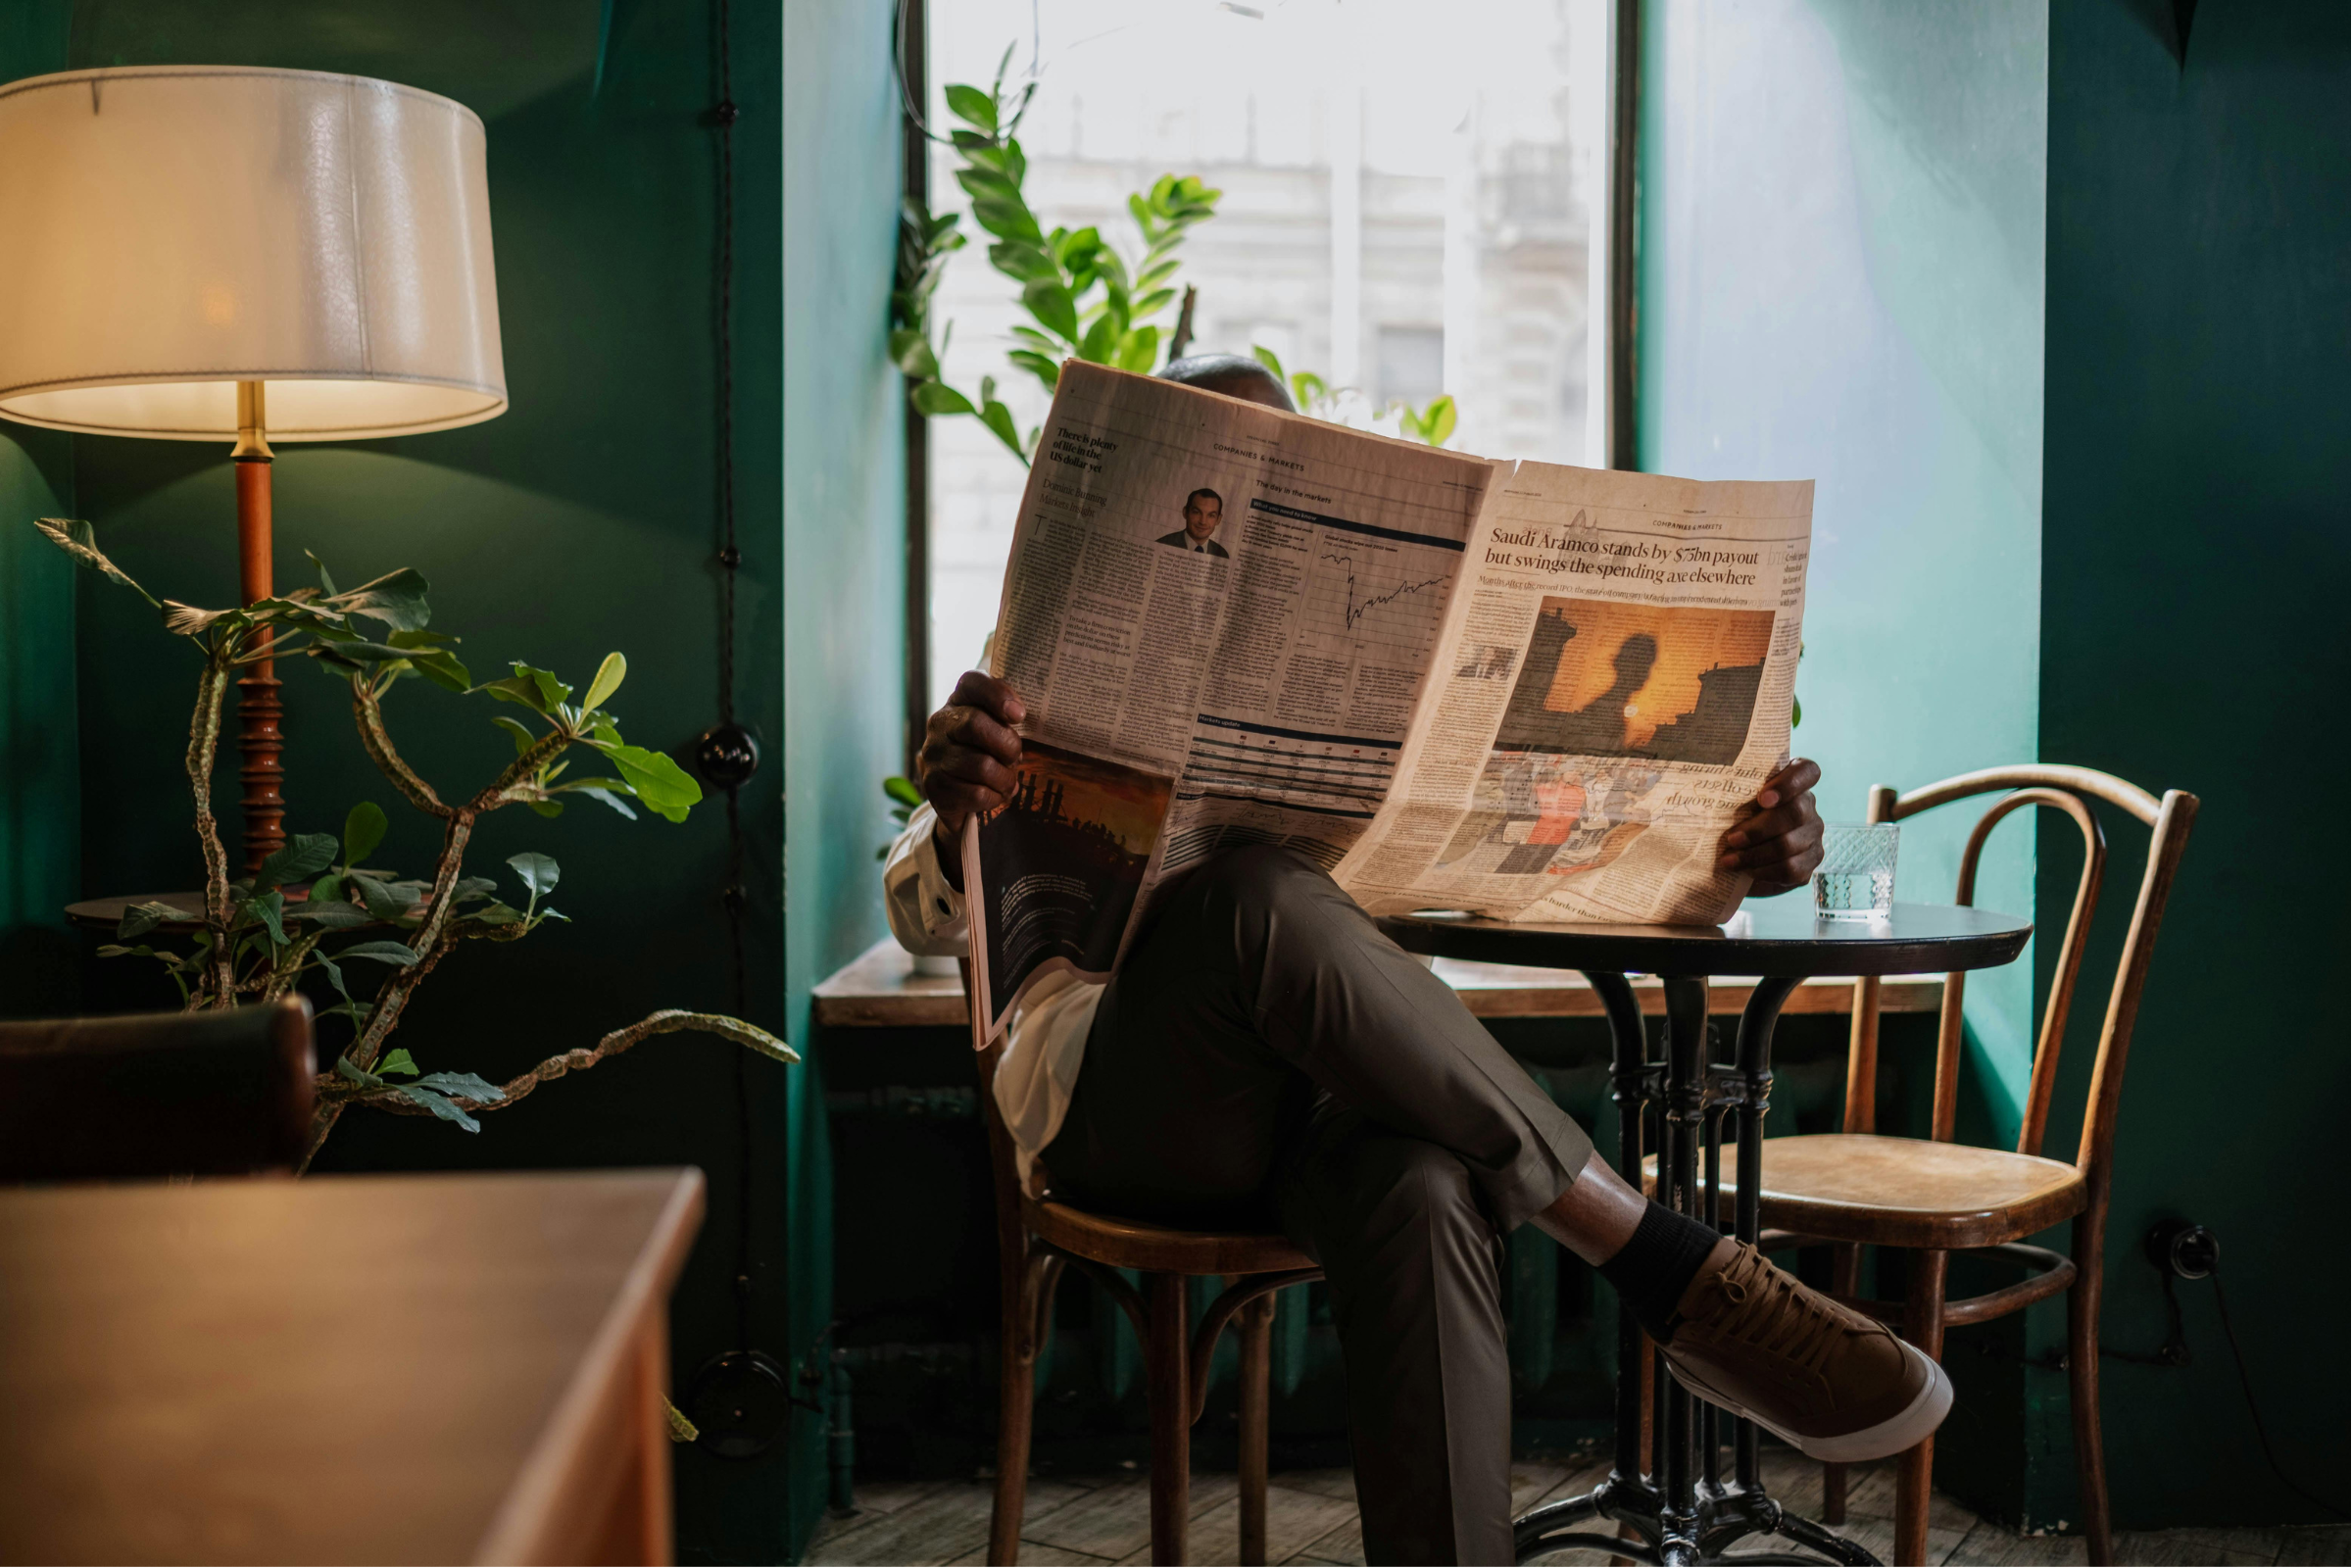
(1046, 1039)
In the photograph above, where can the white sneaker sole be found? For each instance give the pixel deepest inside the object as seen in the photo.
(1900, 1432)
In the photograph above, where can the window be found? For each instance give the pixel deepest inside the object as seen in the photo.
(1414, 203)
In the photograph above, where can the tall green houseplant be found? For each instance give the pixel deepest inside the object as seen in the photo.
(1084, 299)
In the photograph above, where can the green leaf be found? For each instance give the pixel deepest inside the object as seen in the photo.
(326, 890)
(335, 914)
(998, 418)
(1100, 340)
(440, 1106)
(363, 829)
(973, 107)
(79, 540)
(140, 918)
(1006, 219)
(392, 952)
(987, 184)
(304, 857)
(397, 599)
(269, 908)
(599, 791)
(663, 785)
(1137, 350)
(903, 790)
(1021, 262)
(609, 676)
(443, 670)
(515, 689)
(1038, 364)
(539, 873)
(936, 398)
(524, 740)
(1797, 712)
(1052, 304)
(326, 584)
(380, 901)
(911, 353)
(552, 691)
(465, 1085)
(358, 1074)
(1438, 421)
(397, 1059)
(1150, 303)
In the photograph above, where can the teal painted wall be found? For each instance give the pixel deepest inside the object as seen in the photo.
(582, 521)
(2193, 635)
(1840, 280)
(845, 639)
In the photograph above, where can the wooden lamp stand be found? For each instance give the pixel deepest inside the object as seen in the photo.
(259, 711)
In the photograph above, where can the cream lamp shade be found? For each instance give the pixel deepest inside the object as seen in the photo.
(172, 230)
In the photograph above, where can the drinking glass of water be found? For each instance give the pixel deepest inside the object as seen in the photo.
(1856, 879)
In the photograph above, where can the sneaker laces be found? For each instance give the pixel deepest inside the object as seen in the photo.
(1770, 1311)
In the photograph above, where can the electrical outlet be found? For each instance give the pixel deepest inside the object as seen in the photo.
(2183, 1249)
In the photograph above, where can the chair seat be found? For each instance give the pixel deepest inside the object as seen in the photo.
(1159, 1249)
(1903, 1192)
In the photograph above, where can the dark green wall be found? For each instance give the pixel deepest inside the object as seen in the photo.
(2193, 636)
(582, 521)
(41, 805)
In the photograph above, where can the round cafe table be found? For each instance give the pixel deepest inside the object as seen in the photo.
(1674, 1497)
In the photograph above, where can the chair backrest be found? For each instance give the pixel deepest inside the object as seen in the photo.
(173, 1094)
(2069, 790)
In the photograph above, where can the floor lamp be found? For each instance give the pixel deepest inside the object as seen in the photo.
(227, 253)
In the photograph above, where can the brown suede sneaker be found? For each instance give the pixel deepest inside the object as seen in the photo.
(1835, 1385)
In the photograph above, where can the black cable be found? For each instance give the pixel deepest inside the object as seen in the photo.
(731, 559)
(2245, 1380)
(913, 111)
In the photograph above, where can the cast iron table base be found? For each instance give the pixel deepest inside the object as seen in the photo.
(1675, 1499)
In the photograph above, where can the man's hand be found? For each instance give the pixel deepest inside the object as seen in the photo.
(1778, 840)
(969, 753)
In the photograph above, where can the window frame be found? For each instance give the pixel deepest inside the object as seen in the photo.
(1619, 262)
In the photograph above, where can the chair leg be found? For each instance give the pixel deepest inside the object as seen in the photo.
(1167, 1345)
(1016, 1405)
(1923, 1326)
(1845, 1278)
(2082, 1378)
(1258, 1363)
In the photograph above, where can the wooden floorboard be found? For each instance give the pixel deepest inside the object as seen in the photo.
(1311, 1520)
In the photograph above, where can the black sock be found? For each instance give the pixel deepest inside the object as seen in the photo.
(1651, 1271)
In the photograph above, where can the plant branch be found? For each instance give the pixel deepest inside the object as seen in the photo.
(366, 708)
(204, 745)
(670, 1020)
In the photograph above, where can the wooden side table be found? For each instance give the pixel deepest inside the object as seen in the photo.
(342, 1369)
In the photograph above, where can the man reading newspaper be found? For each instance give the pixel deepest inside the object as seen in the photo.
(1210, 1030)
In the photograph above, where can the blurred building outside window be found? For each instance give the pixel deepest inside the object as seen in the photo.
(1414, 202)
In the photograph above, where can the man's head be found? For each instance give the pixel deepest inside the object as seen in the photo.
(1203, 510)
(1236, 375)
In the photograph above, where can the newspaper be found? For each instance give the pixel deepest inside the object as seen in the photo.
(1529, 691)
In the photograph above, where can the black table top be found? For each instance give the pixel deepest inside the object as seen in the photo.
(1780, 937)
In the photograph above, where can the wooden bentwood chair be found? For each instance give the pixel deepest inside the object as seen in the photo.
(1036, 1238)
(1933, 1196)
